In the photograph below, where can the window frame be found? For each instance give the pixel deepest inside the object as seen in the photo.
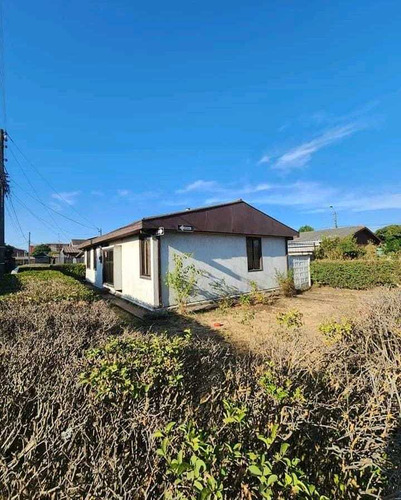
(145, 261)
(94, 260)
(87, 259)
(251, 247)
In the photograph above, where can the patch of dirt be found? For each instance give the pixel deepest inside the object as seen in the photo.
(251, 327)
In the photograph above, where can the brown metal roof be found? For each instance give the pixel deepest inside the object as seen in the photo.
(236, 217)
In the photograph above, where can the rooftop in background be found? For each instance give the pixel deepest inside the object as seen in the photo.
(340, 232)
(235, 217)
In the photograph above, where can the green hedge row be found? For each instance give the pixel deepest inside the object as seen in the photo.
(356, 274)
(75, 270)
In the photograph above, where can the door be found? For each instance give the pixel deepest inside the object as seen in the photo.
(108, 267)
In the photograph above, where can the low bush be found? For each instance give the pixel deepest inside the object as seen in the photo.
(75, 270)
(43, 286)
(290, 319)
(286, 283)
(356, 274)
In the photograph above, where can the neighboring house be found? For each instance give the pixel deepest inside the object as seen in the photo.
(20, 256)
(308, 241)
(71, 254)
(54, 247)
(233, 244)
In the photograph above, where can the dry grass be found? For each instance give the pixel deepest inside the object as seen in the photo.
(252, 328)
(337, 405)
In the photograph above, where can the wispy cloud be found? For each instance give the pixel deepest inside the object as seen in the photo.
(69, 197)
(123, 192)
(96, 192)
(224, 191)
(308, 196)
(199, 186)
(301, 155)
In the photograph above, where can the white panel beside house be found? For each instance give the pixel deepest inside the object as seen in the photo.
(223, 261)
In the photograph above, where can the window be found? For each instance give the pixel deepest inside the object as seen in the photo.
(94, 260)
(87, 260)
(254, 253)
(145, 257)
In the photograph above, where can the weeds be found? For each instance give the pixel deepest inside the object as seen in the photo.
(290, 319)
(231, 425)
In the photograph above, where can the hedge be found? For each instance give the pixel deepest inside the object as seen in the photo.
(75, 270)
(356, 274)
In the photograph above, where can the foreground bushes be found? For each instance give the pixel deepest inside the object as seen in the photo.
(356, 274)
(75, 270)
(87, 411)
(43, 286)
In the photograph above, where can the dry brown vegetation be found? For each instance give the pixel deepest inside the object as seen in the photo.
(79, 425)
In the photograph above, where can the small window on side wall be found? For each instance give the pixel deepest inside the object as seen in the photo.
(144, 255)
(254, 253)
(94, 259)
(87, 259)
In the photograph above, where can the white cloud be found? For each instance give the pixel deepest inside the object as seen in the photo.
(123, 192)
(199, 186)
(69, 197)
(301, 155)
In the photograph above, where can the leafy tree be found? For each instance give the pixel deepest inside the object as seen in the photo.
(43, 248)
(304, 229)
(339, 248)
(391, 237)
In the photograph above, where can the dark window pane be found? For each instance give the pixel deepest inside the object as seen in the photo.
(254, 253)
(145, 257)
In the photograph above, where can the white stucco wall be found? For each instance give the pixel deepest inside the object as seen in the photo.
(143, 291)
(223, 260)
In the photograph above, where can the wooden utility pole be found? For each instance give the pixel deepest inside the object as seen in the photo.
(3, 191)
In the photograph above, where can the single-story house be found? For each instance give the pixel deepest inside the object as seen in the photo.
(308, 241)
(71, 253)
(232, 244)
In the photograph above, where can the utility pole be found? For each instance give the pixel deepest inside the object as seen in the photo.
(29, 248)
(3, 192)
(334, 217)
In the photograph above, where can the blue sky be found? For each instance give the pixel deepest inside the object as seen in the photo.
(130, 109)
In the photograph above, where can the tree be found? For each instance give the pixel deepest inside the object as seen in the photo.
(391, 237)
(182, 280)
(304, 229)
(39, 249)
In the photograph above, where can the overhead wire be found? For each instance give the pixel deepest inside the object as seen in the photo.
(45, 180)
(36, 195)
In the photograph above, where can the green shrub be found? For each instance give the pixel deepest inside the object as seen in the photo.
(135, 366)
(43, 286)
(286, 283)
(336, 330)
(339, 248)
(182, 280)
(356, 274)
(290, 319)
(75, 270)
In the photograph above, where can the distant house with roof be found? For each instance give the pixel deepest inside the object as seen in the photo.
(72, 254)
(307, 242)
(233, 245)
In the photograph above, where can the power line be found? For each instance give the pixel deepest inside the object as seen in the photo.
(16, 218)
(40, 201)
(36, 197)
(49, 226)
(50, 185)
